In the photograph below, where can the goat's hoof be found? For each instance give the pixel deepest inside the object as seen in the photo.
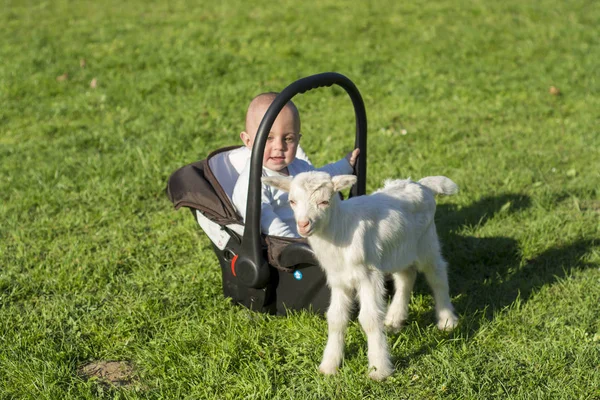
(379, 374)
(328, 368)
(447, 322)
(393, 326)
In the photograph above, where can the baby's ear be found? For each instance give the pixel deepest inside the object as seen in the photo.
(245, 138)
(341, 182)
(279, 182)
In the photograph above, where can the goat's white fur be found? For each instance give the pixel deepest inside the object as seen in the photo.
(358, 241)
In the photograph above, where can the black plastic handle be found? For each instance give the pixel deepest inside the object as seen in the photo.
(252, 269)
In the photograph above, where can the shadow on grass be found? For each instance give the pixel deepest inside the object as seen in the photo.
(488, 274)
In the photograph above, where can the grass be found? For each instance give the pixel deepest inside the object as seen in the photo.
(95, 264)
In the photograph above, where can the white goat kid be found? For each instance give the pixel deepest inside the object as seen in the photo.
(358, 241)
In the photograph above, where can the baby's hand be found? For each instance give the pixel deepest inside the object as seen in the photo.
(353, 156)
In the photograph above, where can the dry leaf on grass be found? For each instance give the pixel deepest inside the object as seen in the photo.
(554, 91)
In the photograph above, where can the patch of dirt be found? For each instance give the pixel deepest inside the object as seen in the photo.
(114, 373)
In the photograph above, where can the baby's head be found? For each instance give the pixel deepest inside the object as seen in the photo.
(282, 143)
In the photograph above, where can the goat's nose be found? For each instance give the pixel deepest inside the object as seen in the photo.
(303, 223)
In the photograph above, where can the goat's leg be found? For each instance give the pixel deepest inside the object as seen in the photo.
(397, 312)
(437, 277)
(338, 315)
(370, 294)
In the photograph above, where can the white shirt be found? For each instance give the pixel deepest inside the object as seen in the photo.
(227, 166)
(277, 217)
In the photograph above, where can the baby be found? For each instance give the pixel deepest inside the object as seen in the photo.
(277, 217)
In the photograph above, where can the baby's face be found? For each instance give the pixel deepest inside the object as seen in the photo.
(282, 143)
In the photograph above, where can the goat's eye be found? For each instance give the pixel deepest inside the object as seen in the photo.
(293, 202)
(324, 203)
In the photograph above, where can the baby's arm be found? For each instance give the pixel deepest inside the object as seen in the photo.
(343, 166)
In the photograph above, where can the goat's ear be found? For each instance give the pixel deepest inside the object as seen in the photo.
(341, 182)
(279, 182)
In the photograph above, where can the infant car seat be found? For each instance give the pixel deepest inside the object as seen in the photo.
(264, 273)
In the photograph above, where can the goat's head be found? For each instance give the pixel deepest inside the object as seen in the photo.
(311, 196)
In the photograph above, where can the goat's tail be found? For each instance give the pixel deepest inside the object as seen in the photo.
(440, 185)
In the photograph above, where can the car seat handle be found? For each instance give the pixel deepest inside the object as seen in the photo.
(251, 249)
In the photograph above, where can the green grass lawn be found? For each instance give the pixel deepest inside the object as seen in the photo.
(96, 265)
